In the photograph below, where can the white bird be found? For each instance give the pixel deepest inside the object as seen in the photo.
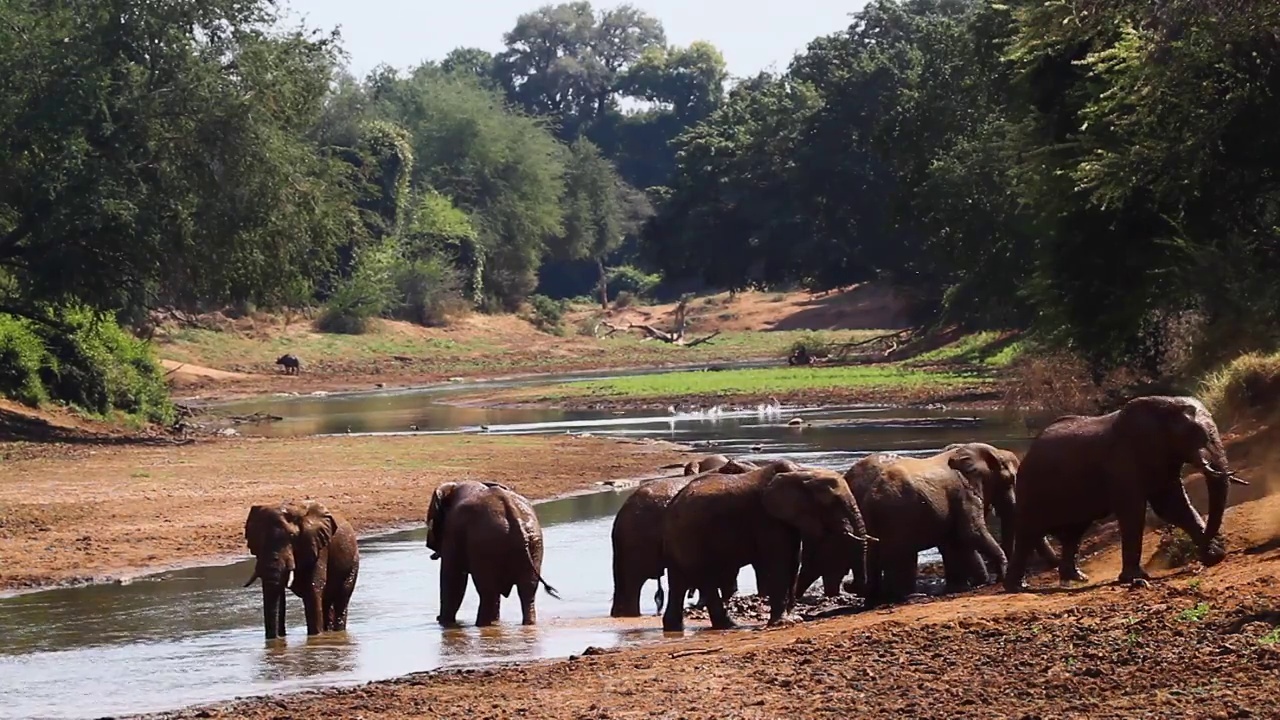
(671, 409)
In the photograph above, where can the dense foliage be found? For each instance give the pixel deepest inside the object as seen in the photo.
(1103, 171)
(1100, 170)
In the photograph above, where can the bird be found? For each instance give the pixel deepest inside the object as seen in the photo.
(414, 427)
(485, 428)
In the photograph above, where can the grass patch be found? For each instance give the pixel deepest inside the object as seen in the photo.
(990, 348)
(1245, 387)
(759, 381)
(1195, 614)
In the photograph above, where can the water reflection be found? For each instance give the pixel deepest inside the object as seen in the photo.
(295, 657)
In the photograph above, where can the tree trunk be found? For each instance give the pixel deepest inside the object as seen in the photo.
(604, 284)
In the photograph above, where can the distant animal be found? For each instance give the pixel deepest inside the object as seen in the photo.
(489, 533)
(318, 548)
(290, 363)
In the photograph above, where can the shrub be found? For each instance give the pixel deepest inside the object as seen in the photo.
(547, 314)
(22, 354)
(629, 279)
(364, 296)
(815, 344)
(624, 299)
(85, 359)
(429, 291)
(1245, 387)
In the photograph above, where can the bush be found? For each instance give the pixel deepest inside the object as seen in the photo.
(99, 367)
(429, 291)
(624, 299)
(1248, 386)
(82, 358)
(364, 296)
(547, 314)
(22, 355)
(815, 344)
(628, 279)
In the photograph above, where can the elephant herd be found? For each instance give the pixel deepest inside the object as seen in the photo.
(795, 524)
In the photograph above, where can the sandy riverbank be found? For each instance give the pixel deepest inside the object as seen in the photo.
(94, 510)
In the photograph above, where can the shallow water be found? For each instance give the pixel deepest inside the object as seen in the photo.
(195, 636)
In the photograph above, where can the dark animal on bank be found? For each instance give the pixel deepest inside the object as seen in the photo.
(290, 363)
(490, 534)
(1081, 470)
(318, 547)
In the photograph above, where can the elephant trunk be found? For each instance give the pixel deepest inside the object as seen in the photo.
(856, 530)
(273, 609)
(1218, 476)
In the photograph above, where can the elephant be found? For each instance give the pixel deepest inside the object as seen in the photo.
(719, 523)
(290, 363)
(1083, 469)
(485, 531)
(637, 540)
(318, 547)
(913, 504)
(712, 463)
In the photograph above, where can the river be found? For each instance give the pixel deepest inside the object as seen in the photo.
(195, 636)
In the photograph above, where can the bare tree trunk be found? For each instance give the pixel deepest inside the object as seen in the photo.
(604, 284)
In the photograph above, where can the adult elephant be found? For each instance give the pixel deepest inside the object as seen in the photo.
(318, 547)
(721, 523)
(488, 533)
(637, 539)
(913, 504)
(1082, 469)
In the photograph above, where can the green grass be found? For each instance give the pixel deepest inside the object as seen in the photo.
(759, 381)
(989, 348)
(1195, 614)
(1243, 387)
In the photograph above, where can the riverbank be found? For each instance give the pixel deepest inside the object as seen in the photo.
(1201, 642)
(99, 508)
(214, 357)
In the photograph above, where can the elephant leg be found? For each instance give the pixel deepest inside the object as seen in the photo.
(1132, 519)
(811, 557)
(980, 537)
(490, 609)
(1046, 552)
(962, 566)
(678, 586)
(626, 587)
(527, 592)
(716, 610)
(899, 568)
(1174, 507)
(1068, 568)
(453, 586)
(280, 615)
(1015, 573)
(313, 604)
(873, 591)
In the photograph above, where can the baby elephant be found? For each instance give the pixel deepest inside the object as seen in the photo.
(290, 363)
(484, 531)
(318, 547)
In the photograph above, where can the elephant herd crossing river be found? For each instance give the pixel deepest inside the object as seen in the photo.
(795, 524)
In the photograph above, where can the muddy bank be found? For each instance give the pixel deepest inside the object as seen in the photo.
(95, 511)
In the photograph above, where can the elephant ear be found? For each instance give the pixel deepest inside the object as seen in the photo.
(436, 513)
(978, 466)
(791, 498)
(253, 529)
(316, 527)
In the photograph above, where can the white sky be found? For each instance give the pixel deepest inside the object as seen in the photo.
(754, 35)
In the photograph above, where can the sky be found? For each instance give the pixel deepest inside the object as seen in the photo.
(754, 35)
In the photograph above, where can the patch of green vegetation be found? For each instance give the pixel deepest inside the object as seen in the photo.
(760, 381)
(1195, 614)
(1270, 638)
(84, 359)
(1246, 385)
(990, 348)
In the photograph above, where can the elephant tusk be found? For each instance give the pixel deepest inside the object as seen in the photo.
(862, 538)
(1237, 479)
(252, 577)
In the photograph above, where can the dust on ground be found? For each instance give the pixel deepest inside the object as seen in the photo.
(107, 507)
(1199, 643)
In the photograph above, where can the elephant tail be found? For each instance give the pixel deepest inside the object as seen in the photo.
(515, 522)
(660, 597)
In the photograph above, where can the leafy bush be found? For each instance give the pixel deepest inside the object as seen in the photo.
(628, 279)
(22, 354)
(82, 358)
(815, 344)
(429, 291)
(547, 314)
(365, 295)
(624, 299)
(1246, 387)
